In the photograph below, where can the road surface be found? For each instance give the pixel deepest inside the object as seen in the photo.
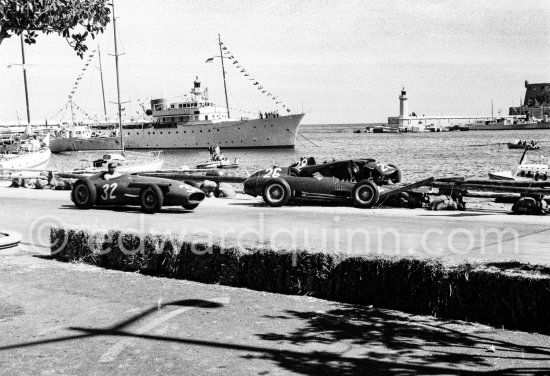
(488, 234)
(75, 319)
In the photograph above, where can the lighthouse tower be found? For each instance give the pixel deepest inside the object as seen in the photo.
(403, 105)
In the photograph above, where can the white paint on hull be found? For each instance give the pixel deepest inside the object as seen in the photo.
(257, 133)
(38, 159)
(58, 145)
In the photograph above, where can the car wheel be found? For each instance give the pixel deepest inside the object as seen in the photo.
(365, 194)
(83, 194)
(190, 206)
(151, 199)
(276, 192)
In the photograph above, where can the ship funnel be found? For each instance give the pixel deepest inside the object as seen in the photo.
(158, 104)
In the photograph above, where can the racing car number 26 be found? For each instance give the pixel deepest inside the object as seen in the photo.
(272, 173)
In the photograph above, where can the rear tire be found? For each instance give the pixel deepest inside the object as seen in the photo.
(84, 194)
(190, 206)
(365, 194)
(151, 199)
(276, 192)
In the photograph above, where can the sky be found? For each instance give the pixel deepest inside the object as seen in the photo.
(336, 61)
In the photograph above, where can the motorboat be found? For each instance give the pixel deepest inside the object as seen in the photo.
(129, 163)
(226, 164)
(518, 144)
(207, 165)
(217, 160)
(524, 171)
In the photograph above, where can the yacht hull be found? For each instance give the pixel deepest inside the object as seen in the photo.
(58, 145)
(511, 127)
(277, 132)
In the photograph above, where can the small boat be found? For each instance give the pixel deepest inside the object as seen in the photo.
(207, 165)
(357, 131)
(226, 164)
(217, 160)
(523, 145)
(25, 155)
(384, 129)
(130, 163)
(524, 171)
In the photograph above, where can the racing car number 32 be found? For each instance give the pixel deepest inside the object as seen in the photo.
(109, 191)
(272, 173)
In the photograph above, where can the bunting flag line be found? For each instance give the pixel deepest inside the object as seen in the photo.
(76, 83)
(228, 55)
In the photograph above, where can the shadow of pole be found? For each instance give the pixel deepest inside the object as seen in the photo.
(196, 303)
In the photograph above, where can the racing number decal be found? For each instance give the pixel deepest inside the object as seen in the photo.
(109, 191)
(272, 173)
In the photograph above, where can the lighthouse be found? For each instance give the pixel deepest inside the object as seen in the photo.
(403, 105)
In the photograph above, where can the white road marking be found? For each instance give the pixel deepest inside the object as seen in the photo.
(112, 353)
(50, 330)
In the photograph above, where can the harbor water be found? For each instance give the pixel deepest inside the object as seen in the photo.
(418, 155)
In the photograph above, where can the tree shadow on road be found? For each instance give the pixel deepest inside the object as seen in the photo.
(354, 340)
(369, 341)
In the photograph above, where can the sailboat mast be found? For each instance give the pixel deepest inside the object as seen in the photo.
(223, 73)
(117, 82)
(102, 87)
(25, 81)
(72, 113)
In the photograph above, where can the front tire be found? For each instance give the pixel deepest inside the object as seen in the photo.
(276, 192)
(190, 206)
(365, 194)
(151, 199)
(84, 194)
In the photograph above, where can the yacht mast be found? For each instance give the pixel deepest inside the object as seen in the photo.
(102, 87)
(25, 81)
(223, 73)
(117, 83)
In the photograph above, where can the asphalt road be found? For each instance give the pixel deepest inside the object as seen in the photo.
(74, 319)
(488, 233)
